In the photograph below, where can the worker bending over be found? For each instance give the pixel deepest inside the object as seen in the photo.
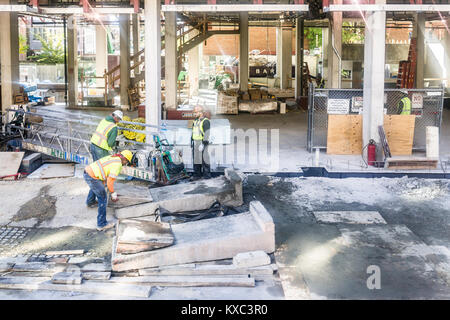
(104, 137)
(199, 144)
(101, 172)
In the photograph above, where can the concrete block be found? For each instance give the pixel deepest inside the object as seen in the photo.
(251, 259)
(96, 275)
(31, 162)
(207, 240)
(96, 267)
(282, 108)
(67, 278)
(140, 210)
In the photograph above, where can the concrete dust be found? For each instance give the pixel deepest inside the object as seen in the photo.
(42, 207)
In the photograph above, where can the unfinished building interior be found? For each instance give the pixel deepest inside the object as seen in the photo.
(292, 88)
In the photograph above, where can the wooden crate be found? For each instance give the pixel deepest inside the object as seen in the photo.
(399, 131)
(227, 104)
(344, 134)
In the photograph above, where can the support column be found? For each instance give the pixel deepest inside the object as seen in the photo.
(152, 64)
(193, 61)
(72, 62)
(171, 73)
(243, 51)
(335, 39)
(286, 58)
(279, 35)
(9, 55)
(420, 35)
(447, 54)
(374, 60)
(357, 75)
(325, 44)
(299, 57)
(101, 52)
(124, 25)
(136, 37)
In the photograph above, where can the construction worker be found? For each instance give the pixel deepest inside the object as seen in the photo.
(199, 144)
(104, 137)
(404, 105)
(101, 172)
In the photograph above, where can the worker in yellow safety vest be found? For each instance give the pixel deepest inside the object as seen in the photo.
(104, 137)
(404, 106)
(199, 144)
(101, 172)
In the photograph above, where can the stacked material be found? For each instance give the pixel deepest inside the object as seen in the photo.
(282, 93)
(227, 103)
(132, 135)
(258, 106)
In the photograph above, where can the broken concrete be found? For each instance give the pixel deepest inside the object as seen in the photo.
(134, 235)
(197, 195)
(207, 240)
(96, 275)
(251, 259)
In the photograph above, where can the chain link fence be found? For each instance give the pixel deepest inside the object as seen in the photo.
(427, 105)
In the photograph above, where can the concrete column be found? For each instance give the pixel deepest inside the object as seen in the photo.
(9, 57)
(374, 60)
(124, 25)
(279, 34)
(171, 73)
(243, 51)
(193, 71)
(152, 64)
(420, 29)
(447, 54)
(286, 58)
(72, 62)
(101, 52)
(136, 32)
(298, 57)
(334, 38)
(325, 44)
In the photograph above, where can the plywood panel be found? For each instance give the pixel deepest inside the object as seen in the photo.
(344, 134)
(10, 162)
(400, 133)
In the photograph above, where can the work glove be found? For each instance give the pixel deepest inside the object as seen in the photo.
(201, 147)
(114, 197)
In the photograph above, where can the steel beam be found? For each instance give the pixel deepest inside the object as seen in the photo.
(388, 7)
(235, 8)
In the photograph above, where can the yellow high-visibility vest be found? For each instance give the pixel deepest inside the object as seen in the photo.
(406, 106)
(108, 166)
(197, 129)
(100, 136)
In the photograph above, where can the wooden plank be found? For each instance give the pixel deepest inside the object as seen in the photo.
(411, 164)
(34, 283)
(55, 253)
(67, 278)
(10, 163)
(188, 281)
(136, 235)
(399, 131)
(38, 267)
(96, 267)
(344, 134)
(6, 266)
(205, 270)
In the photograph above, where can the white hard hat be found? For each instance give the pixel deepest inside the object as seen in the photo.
(118, 114)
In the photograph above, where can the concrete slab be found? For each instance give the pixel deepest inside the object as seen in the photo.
(53, 170)
(197, 195)
(352, 217)
(10, 163)
(251, 259)
(67, 278)
(206, 240)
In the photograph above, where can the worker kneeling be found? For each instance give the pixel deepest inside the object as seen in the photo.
(104, 170)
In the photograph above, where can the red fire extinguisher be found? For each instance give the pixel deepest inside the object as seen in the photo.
(371, 153)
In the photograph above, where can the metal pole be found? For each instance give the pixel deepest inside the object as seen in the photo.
(65, 60)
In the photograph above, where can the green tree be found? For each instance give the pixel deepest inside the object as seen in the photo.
(314, 36)
(52, 51)
(23, 47)
(352, 35)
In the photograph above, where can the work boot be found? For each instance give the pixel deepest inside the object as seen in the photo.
(93, 204)
(108, 226)
(206, 171)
